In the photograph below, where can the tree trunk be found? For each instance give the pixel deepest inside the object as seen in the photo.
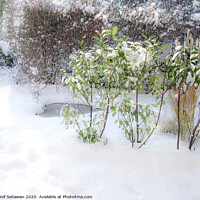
(137, 116)
(91, 101)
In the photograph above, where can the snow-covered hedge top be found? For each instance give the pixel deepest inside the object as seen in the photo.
(98, 7)
(196, 5)
(91, 6)
(153, 17)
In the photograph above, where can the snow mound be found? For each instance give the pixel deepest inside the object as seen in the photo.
(195, 17)
(5, 47)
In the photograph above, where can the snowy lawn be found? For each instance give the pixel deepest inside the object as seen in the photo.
(39, 156)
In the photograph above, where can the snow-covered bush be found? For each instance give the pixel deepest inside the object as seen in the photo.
(139, 57)
(98, 72)
(185, 70)
(167, 19)
(84, 82)
(135, 118)
(114, 67)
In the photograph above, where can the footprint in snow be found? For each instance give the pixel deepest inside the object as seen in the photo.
(15, 164)
(32, 156)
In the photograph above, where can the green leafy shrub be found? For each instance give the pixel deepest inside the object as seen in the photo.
(133, 116)
(101, 72)
(186, 70)
(113, 68)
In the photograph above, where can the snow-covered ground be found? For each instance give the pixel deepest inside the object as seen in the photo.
(38, 156)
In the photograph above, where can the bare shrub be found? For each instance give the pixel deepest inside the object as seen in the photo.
(47, 37)
(189, 105)
(48, 30)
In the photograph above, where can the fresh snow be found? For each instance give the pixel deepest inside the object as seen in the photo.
(196, 4)
(195, 17)
(4, 47)
(39, 156)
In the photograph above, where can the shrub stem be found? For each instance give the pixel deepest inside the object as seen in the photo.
(193, 137)
(107, 110)
(156, 124)
(91, 102)
(179, 97)
(137, 115)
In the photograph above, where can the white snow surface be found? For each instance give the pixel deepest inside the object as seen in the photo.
(195, 17)
(39, 156)
(4, 47)
(196, 4)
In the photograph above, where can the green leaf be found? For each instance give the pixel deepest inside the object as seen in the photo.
(145, 37)
(114, 31)
(126, 123)
(194, 58)
(113, 108)
(157, 78)
(195, 52)
(148, 114)
(170, 96)
(95, 37)
(81, 42)
(74, 62)
(152, 36)
(155, 106)
(143, 118)
(74, 95)
(114, 114)
(148, 129)
(105, 142)
(165, 46)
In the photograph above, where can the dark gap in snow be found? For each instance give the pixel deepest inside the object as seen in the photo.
(53, 110)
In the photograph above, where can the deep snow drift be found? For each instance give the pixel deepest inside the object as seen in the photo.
(39, 156)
